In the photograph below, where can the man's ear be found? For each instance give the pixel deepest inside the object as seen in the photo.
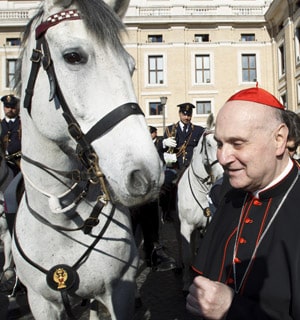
(281, 136)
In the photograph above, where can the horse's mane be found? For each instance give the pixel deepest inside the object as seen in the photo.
(99, 19)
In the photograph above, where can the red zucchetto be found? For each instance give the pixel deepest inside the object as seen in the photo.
(257, 95)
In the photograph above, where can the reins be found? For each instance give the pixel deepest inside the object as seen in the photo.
(206, 211)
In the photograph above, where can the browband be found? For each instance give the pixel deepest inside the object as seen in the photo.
(55, 19)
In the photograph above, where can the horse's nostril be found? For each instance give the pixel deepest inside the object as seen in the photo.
(139, 183)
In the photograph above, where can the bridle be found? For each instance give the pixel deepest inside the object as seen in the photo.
(208, 165)
(206, 180)
(91, 173)
(86, 154)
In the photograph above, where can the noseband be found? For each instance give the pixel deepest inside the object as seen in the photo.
(85, 151)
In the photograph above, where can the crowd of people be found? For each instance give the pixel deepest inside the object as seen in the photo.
(247, 263)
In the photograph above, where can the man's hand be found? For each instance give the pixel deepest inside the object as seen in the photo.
(169, 142)
(209, 299)
(170, 158)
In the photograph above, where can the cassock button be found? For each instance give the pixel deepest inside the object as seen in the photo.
(256, 202)
(248, 220)
(237, 260)
(242, 240)
(230, 281)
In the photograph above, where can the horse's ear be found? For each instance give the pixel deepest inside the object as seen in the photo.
(63, 3)
(210, 121)
(52, 4)
(119, 6)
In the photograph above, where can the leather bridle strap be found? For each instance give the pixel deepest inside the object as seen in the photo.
(111, 119)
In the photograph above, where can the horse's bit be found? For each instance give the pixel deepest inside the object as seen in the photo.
(86, 154)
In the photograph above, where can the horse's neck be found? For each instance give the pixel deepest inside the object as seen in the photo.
(197, 176)
(48, 154)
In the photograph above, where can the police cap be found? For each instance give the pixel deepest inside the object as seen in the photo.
(10, 101)
(186, 108)
(152, 129)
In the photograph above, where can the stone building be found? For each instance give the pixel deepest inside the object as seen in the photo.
(198, 51)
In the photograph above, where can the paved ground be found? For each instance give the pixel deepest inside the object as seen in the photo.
(161, 293)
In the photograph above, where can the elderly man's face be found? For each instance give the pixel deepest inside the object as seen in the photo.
(248, 144)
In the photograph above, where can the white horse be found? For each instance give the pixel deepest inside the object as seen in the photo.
(86, 155)
(192, 198)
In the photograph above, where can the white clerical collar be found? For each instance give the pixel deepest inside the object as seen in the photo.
(283, 174)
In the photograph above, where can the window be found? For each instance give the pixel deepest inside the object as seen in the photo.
(201, 37)
(155, 109)
(11, 66)
(281, 57)
(247, 37)
(13, 41)
(297, 44)
(155, 38)
(249, 67)
(202, 64)
(156, 72)
(203, 107)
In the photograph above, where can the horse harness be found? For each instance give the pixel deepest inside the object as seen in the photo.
(206, 211)
(64, 278)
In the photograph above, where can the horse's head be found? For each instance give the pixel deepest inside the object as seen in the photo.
(205, 158)
(86, 77)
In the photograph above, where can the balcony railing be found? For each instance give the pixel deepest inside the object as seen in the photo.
(14, 15)
(196, 10)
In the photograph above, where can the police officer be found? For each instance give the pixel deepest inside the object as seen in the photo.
(179, 141)
(181, 138)
(11, 132)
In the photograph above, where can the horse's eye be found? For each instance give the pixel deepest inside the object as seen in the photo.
(74, 58)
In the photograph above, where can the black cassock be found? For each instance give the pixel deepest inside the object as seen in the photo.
(266, 269)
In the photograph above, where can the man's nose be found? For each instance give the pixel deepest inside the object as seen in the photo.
(225, 155)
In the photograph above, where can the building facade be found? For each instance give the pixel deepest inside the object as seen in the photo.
(196, 51)
(283, 22)
(189, 51)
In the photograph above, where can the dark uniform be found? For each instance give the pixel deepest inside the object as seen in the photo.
(158, 143)
(186, 138)
(265, 272)
(11, 135)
